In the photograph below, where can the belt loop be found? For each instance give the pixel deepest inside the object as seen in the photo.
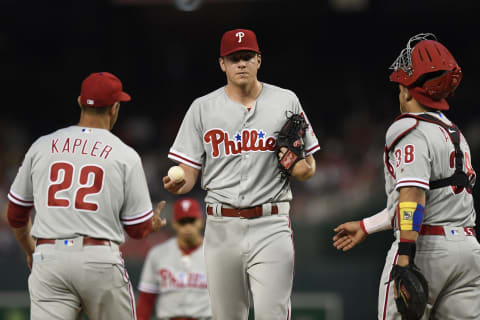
(114, 246)
(217, 209)
(266, 209)
(283, 208)
(446, 230)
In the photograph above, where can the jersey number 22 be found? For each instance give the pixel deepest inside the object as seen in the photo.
(63, 183)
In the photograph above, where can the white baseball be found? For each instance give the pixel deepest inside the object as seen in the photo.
(176, 173)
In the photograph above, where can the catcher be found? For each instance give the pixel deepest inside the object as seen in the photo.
(429, 180)
(236, 136)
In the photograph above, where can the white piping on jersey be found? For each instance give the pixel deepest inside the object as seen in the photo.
(139, 218)
(413, 182)
(15, 198)
(183, 158)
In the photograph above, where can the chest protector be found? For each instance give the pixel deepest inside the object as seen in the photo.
(459, 178)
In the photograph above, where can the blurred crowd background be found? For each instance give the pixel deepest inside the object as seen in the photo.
(333, 54)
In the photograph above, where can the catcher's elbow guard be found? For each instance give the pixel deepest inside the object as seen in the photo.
(410, 216)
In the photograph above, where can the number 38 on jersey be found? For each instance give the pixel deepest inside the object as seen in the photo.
(88, 182)
(405, 154)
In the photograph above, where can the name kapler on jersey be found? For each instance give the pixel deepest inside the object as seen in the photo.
(81, 146)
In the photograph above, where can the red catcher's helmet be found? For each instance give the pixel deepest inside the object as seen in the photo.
(428, 70)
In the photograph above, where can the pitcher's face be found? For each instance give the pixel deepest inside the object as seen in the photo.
(241, 67)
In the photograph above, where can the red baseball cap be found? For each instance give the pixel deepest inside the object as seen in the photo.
(186, 208)
(102, 89)
(238, 40)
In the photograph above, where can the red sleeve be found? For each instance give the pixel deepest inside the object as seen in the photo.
(18, 215)
(139, 230)
(146, 302)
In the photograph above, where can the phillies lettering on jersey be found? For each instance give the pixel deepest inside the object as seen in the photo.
(248, 141)
(172, 279)
(179, 281)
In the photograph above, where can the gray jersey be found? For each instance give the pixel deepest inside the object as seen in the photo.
(235, 146)
(179, 280)
(418, 152)
(426, 154)
(82, 181)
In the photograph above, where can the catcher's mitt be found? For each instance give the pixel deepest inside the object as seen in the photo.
(291, 137)
(412, 291)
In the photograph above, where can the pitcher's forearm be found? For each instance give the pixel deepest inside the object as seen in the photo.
(304, 169)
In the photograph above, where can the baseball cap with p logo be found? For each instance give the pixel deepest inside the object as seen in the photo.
(238, 40)
(102, 89)
(187, 208)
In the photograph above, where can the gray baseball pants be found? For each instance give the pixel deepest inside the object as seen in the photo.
(68, 278)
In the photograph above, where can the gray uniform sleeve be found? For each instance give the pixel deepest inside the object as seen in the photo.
(311, 141)
(188, 146)
(149, 282)
(21, 191)
(412, 161)
(137, 206)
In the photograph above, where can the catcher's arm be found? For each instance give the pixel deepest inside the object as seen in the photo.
(410, 286)
(414, 195)
(349, 234)
(184, 186)
(303, 169)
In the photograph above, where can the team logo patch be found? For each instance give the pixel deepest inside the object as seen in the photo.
(407, 215)
(239, 35)
(288, 160)
(185, 205)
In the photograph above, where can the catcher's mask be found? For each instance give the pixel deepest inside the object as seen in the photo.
(428, 70)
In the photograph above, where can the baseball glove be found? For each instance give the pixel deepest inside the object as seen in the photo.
(412, 291)
(291, 137)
